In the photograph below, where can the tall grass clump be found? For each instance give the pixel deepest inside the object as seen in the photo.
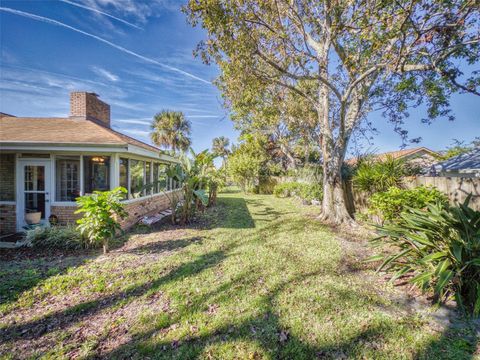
(438, 250)
(377, 176)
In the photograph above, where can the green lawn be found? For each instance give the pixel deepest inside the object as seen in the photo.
(260, 279)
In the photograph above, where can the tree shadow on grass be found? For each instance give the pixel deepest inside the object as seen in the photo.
(264, 330)
(62, 319)
(163, 246)
(459, 340)
(235, 213)
(22, 275)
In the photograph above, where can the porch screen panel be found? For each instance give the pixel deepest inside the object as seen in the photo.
(162, 178)
(67, 178)
(148, 173)
(96, 173)
(137, 178)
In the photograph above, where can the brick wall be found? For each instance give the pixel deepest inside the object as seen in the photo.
(8, 220)
(139, 208)
(7, 177)
(136, 209)
(66, 214)
(89, 106)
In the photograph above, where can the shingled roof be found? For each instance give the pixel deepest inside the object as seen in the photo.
(399, 154)
(469, 161)
(63, 131)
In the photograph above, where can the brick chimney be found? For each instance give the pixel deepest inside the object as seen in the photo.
(88, 106)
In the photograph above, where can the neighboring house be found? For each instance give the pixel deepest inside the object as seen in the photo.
(45, 163)
(421, 157)
(464, 165)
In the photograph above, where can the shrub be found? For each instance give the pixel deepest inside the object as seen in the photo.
(305, 191)
(377, 176)
(56, 237)
(312, 192)
(266, 185)
(287, 189)
(389, 204)
(309, 173)
(440, 248)
(101, 211)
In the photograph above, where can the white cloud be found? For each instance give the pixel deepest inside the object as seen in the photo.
(98, 38)
(203, 116)
(95, 9)
(142, 121)
(105, 73)
(134, 132)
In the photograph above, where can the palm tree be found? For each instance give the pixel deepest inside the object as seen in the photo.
(170, 129)
(220, 147)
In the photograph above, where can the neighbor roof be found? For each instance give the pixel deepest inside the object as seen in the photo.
(399, 154)
(465, 162)
(63, 131)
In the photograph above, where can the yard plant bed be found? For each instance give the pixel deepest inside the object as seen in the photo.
(260, 278)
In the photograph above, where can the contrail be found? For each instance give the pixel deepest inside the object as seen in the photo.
(100, 12)
(118, 47)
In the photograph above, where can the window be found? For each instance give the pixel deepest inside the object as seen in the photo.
(123, 173)
(148, 181)
(137, 178)
(96, 173)
(67, 178)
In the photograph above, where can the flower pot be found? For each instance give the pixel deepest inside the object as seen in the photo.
(33, 217)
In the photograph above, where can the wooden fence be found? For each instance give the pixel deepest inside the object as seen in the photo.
(456, 188)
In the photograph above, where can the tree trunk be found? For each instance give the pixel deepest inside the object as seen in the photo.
(334, 207)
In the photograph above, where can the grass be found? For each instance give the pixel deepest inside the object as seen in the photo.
(260, 279)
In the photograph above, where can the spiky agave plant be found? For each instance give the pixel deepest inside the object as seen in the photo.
(440, 248)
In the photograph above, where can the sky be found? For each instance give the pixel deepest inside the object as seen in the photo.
(138, 56)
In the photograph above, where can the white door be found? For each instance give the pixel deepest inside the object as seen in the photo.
(33, 190)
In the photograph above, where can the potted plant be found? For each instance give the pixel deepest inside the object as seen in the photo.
(33, 217)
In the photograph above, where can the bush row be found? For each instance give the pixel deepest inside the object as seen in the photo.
(388, 205)
(307, 192)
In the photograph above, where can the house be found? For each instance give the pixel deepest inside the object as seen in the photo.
(46, 163)
(421, 157)
(463, 165)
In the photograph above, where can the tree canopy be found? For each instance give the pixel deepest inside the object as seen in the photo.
(344, 59)
(170, 129)
(220, 146)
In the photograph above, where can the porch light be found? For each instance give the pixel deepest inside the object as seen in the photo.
(98, 159)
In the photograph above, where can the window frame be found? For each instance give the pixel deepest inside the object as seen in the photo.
(56, 186)
(111, 165)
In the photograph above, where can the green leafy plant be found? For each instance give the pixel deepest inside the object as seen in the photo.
(101, 212)
(288, 189)
(312, 192)
(376, 176)
(195, 176)
(440, 248)
(389, 204)
(56, 237)
(307, 192)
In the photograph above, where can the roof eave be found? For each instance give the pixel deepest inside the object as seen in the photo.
(85, 147)
(40, 145)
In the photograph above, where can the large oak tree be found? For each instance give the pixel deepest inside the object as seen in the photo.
(359, 54)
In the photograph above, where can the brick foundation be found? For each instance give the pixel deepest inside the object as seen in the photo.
(136, 209)
(66, 214)
(139, 208)
(8, 219)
